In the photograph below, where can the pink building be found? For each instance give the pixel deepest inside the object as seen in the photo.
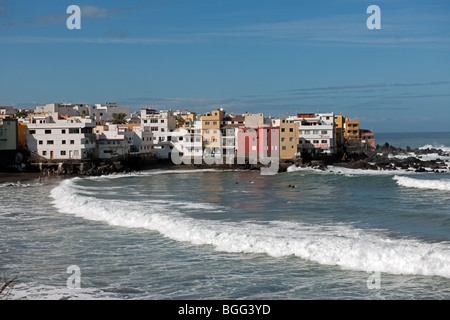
(368, 137)
(253, 144)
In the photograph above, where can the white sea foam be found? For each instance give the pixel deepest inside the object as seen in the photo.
(436, 146)
(443, 185)
(339, 245)
(156, 172)
(349, 172)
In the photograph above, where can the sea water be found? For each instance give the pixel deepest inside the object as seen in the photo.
(229, 234)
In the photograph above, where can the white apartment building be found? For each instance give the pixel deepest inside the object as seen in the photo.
(162, 124)
(142, 140)
(115, 142)
(57, 137)
(103, 113)
(187, 143)
(65, 109)
(316, 132)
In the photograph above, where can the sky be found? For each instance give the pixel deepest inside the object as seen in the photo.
(277, 57)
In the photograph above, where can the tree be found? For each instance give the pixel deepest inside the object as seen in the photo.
(119, 118)
(21, 114)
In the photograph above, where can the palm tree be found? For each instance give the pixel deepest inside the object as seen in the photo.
(119, 118)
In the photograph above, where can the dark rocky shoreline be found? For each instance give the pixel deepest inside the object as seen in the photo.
(381, 158)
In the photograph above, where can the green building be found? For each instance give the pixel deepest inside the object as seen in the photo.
(8, 134)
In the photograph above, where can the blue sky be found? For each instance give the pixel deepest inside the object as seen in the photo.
(276, 57)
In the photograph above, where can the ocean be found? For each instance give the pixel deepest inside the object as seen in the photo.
(229, 234)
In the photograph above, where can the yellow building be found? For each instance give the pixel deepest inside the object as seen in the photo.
(352, 129)
(186, 120)
(289, 139)
(339, 122)
(211, 129)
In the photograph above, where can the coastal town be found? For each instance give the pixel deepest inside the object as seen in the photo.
(65, 133)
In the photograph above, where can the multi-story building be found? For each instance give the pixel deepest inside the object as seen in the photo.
(7, 112)
(211, 134)
(339, 122)
(57, 137)
(289, 137)
(65, 109)
(316, 132)
(352, 129)
(254, 145)
(162, 124)
(185, 118)
(8, 134)
(367, 138)
(103, 113)
(113, 141)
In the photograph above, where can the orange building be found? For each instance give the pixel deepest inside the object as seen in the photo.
(352, 129)
(22, 135)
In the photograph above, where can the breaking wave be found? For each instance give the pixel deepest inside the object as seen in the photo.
(347, 171)
(337, 245)
(443, 185)
(436, 146)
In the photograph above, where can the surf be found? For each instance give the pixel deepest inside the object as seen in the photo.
(340, 245)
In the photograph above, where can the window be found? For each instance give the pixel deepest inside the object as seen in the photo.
(291, 129)
(63, 142)
(207, 131)
(49, 141)
(283, 148)
(162, 120)
(48, 131)
(315, 131)
(74, 130)
(76, 153)
(291, 139)
(32, 131)
(153, 128)
(63, 153)
(41, 142)
(72, 141)
(63, 131)
(315, 141)
(324, 132)
(282, 129)
(282, 139)
(214, 123)
(44, 153)
(324, 141)
(145, 121)
(206, 123)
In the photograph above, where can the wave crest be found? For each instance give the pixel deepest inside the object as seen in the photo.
(338, 245)
(443, 185)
